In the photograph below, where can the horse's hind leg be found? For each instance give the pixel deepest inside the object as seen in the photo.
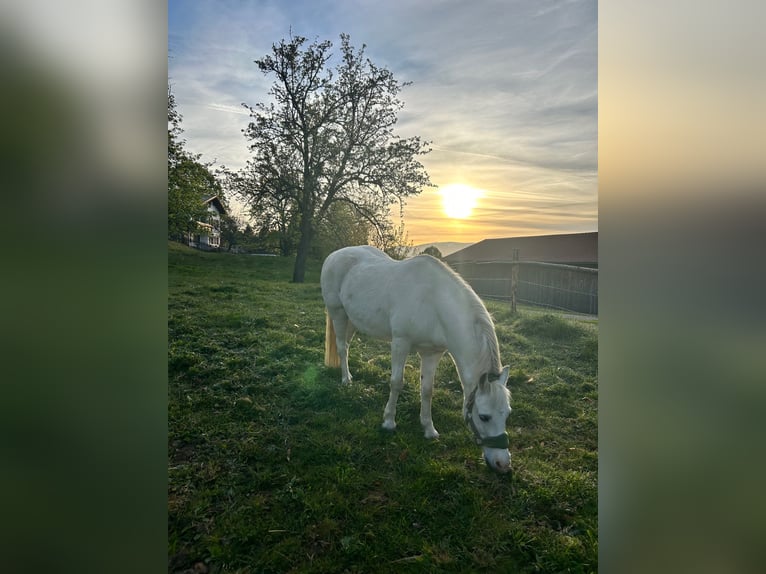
(399, 351)
(344, 331)
(428, 364)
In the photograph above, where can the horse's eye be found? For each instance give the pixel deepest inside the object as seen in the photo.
(485, 418)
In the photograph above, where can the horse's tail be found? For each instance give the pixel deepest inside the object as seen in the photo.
(331, 358)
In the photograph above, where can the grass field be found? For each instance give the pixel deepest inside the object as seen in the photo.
(273, 466)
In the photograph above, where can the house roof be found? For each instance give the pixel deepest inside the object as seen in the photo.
(213, 200)
(570, 248)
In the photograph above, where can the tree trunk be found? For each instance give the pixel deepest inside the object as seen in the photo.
(304, 244)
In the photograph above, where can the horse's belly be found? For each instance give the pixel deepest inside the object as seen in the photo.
(422, 330)
(368, 317)
(382, 304)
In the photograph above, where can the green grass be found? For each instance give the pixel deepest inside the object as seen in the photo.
(273, 466)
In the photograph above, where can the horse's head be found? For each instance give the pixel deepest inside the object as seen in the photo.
(487, 410)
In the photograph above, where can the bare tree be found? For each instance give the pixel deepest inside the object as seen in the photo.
(328, 137)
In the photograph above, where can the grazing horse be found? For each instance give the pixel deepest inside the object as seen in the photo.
(421, 305)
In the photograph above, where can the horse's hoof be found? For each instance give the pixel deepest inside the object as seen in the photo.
(432, 435)
(390, 427)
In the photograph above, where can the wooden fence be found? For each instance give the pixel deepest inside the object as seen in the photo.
(564, 287)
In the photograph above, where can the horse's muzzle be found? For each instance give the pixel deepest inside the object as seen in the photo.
(499, 466)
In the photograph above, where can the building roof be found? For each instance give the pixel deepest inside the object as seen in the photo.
(570, 249)
(213, 199)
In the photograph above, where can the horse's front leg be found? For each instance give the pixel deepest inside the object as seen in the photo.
(428, 364)
(400, 348)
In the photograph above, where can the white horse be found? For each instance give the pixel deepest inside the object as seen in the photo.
(421, 305)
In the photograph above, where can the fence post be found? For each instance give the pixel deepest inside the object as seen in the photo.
(514, 278)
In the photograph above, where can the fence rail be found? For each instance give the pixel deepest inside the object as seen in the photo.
(565, 287)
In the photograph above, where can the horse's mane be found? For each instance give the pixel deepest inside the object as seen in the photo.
(485, 328)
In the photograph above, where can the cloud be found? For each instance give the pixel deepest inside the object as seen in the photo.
(240, 110)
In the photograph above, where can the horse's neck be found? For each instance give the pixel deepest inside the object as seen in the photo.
(473, 348)
(469, 355)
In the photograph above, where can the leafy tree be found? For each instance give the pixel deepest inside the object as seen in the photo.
(231, 235)
(328, 138)
(432, 250)
(274, 211)
(189, 181)
(341, 227)
(394, 241)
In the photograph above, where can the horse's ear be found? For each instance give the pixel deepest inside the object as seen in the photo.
(503, 380)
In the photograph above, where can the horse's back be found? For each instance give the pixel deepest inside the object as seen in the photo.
(346, 257)
(383, 297)
(366, 270)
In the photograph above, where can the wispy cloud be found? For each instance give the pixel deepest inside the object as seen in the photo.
(229, 109)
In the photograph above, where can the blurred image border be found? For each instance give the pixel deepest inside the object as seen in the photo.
(681, 210)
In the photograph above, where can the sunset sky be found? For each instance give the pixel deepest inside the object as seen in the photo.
(505, 90)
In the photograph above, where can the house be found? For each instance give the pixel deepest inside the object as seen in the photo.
(580, 249)
(208, 233)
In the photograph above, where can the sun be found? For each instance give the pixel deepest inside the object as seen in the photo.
(458, 200)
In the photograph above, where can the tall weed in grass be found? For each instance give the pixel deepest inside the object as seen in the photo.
(273, 466)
